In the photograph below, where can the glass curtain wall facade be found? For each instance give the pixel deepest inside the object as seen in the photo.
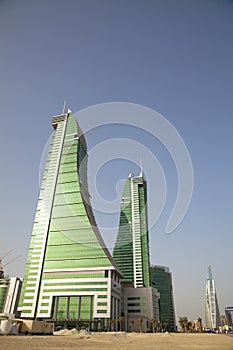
(161, 279)
(131, 250)
(69, 273)
(212, 315)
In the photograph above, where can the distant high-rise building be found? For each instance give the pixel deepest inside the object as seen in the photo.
(131, 250)
(70, 277)
(9, 295)
(161, 279)
(212, 315)
(223, 321)
(229, 316)
(4, 283)
(14, 285)
(131, 253)
(9, 292)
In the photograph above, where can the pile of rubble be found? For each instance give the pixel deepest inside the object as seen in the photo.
(82, 334)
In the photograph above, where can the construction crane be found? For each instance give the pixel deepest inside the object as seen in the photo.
(2, 275)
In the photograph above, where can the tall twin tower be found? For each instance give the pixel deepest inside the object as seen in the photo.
(70, 276)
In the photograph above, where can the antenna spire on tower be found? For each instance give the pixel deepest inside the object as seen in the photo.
(141, 172)
(64, 107)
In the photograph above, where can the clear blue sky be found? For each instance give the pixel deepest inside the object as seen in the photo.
(174, 56)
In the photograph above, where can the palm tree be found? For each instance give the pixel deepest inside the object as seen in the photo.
(120, 321)
(132, 325)
(183, 323)
(159, 326)
(112, 322)
(153, 324)
(189, 326)
(140, 321)
(199, 320)
(166, 326)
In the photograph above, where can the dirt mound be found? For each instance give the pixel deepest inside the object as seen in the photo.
(82, 334)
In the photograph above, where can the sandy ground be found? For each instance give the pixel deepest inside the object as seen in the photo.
(122, 341)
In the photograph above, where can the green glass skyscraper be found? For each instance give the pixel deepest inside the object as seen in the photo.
(131, 250)
(69, 273)
(140, 301)
(161, 279)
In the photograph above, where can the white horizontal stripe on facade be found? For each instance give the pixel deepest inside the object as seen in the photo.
(102, 315)
(74, 133)
(80, 269)
(29, 294)
(75, 293)
(26, 315)
(27, 300)
(27, 307)
(101, 308)
(44, 308)
(70, 280)
(69, 140)
(76, 287)
(43, 314)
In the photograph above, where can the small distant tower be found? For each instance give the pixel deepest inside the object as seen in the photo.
(212, 315)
